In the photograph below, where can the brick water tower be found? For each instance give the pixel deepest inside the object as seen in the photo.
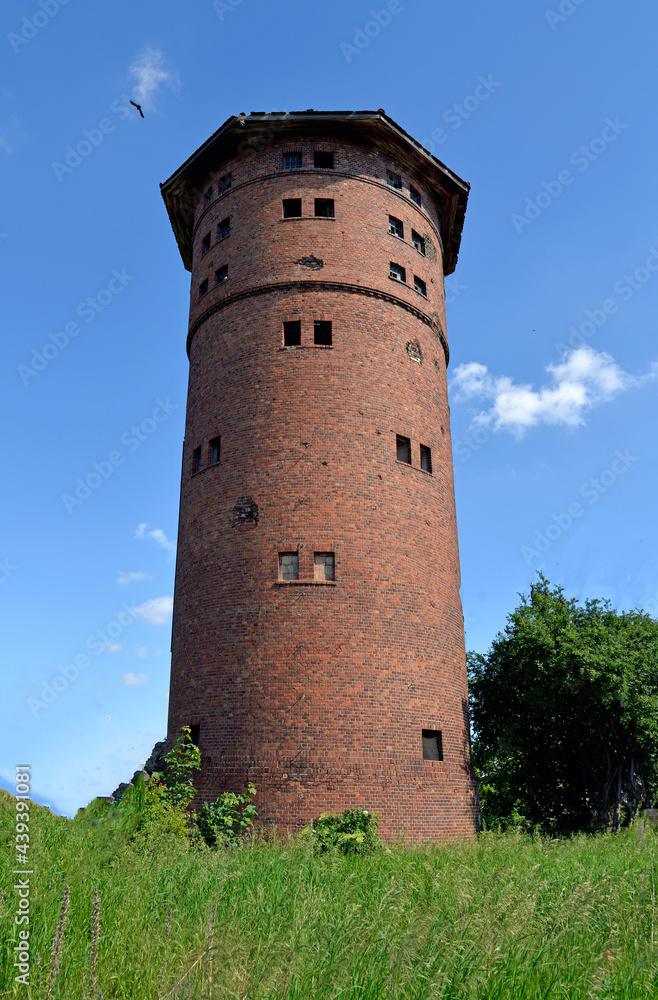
(318, 643)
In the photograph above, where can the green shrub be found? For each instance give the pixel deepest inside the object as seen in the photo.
(353, 831)
(147, 807)
(183, 758)
(226, 819)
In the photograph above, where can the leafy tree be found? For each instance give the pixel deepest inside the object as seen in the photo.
(564, 708)
(181, 761)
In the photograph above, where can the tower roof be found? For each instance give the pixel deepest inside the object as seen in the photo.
(369, 128)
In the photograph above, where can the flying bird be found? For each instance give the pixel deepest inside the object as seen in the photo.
(139, 108)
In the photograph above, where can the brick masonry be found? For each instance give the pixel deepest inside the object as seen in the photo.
(317, 690)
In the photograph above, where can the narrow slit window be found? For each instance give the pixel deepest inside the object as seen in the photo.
(415, 196)
(225, 183)
(196, 460)
(208, 196)
(323, 566)
(195, 734)
(292, 161)
(322, 332)
(324, 208)
(323, 161)
(394, 181)
(395, 227)
(420, 285)
(292, 333)
(203, 288)
(425, 458)
(224, 228)
(205, 244)
(288, 566)
(292, 208)
(221, 274)
(397, 273)
(403, 446)
(215, 450)
(418, 241)
(432, 744)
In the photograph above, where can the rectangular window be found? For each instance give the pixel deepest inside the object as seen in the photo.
(215, 450)
(323, 566)
(292, 208)
(288, 566)
(425, 458)
(196, 460)
(205, 244)
(221, 274)
(225, 183)
(420, 285)
(195, 733)
(324, 208)
(397, 273)
(415, 196)
(432, 744)
(224, 229)
(322, 332)
(323, 161)
(203, 287)
(394, 181)
(418, 241)
(292, 161)
(403, 446)
(395, 227)
(292, 333)
(208, 196)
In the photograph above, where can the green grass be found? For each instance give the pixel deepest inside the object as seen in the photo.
(507, 917)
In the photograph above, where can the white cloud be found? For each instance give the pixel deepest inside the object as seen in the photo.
(584, 378)
(125, 578)
(142, 651)
(157, 534)
(150, 73)
(156, 611)
(135, 680)
(112, 647)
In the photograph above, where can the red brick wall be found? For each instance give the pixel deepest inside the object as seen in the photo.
(318, 692)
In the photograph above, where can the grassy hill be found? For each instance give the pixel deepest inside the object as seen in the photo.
(507, 917)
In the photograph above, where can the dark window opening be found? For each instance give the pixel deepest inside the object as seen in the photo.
(324, 208)
(196, 459)
(288, 566)
(215, 444)
(322, 332)
(225, 183)
(425, 458)
(420, 285)
(395, 227)
(292, 208)
(415, 196)
(205, 244)
(208, 196)
(394, 181)
(221, 274)
(195, 733)
(397, 273)
(203, 287)
(292, 333)
(324, 161)
(292, 161)
(323, 566)
(418, 242)
(432, 744)
(403, 446)
(224, 228)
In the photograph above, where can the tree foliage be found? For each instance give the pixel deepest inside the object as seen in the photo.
(564, 709)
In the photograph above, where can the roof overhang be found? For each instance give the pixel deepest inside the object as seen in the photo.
(372, 129)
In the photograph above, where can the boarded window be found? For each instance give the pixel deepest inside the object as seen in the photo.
(403, 446)
(292, 333)
(323, 566)
(288, 566)
(432, 744)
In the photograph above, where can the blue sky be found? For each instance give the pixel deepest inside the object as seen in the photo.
(549, 110)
